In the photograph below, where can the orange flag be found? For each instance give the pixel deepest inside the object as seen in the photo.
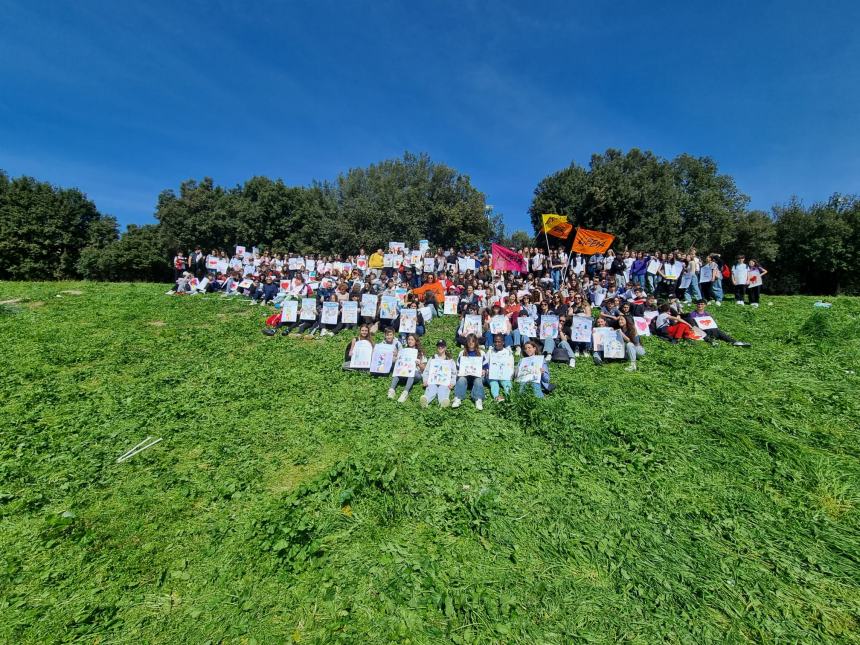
(556, 225)
(591, 242)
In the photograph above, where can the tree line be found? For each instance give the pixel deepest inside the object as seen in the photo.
(649, 203)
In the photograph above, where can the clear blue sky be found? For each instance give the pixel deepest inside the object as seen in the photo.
(125, 99)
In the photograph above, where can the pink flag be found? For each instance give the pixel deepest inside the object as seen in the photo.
(505, 259)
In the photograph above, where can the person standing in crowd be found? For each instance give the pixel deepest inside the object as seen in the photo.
(376, 262)
(178, 265)
(756, 273)
(740, 278)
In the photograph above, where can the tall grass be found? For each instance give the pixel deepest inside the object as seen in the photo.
(710, 497)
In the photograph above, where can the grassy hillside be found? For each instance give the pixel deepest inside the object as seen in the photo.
(711, 496)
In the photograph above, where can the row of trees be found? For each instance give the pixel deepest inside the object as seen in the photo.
(648, 202)
(651, 203)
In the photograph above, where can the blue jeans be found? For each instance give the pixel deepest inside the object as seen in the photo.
(650, 282)
(556, 279)
(639, 280)
(461, 389)
(549, 347)
(494, 387)
(395, 380)
(717, 288)
(693, 292)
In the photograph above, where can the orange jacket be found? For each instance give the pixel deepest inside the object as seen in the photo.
(435, 286)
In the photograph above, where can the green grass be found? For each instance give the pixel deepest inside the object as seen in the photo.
(710, 497)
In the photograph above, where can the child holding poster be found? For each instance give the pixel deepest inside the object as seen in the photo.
(754, 276)
(349, 311)
(561, 344)
(439, 377)
(712, 333)
(531, 369)
(363, 335)
(501, 368)
(410, 321)
(471, 323)
(471, 370)
(408, 366)
(329, 321)
(498, 324)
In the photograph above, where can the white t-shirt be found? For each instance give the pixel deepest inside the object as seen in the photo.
(740, 273)
(537, 262)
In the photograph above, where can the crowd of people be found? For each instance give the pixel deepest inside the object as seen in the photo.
(512, 324)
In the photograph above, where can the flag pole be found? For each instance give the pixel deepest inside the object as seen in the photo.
(564, 275)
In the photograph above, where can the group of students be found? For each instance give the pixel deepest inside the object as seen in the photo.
(601, 307)
(439, 373)
(674, 274)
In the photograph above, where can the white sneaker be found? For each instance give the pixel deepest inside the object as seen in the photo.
(547, 358)
(755, 304)
(391, 393)
(403, 397)
(456, 403)
(479, 405)
(424, 401)
(445, 403)
(739, 302)
(517, 351)
(719, 303)
(630, 368)
(572, 362)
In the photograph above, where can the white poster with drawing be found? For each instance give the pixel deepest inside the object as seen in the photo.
(309, 309)
(501, 366)
(349, 312)
(613, 349)
(407, 362)
(408, 321)
(451, 305)
(368, 305)
(527, 326)
(580, 329)
(330, 312)
(530, 368)
(362, 352)
(472, 325)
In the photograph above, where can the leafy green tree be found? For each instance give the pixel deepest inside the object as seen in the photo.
(646, 201)
(817, 246)
(755, 237)
(400, 199)
(43, 229)
(520, 239)
(141, 254)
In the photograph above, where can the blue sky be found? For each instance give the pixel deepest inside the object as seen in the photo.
(126, 99)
